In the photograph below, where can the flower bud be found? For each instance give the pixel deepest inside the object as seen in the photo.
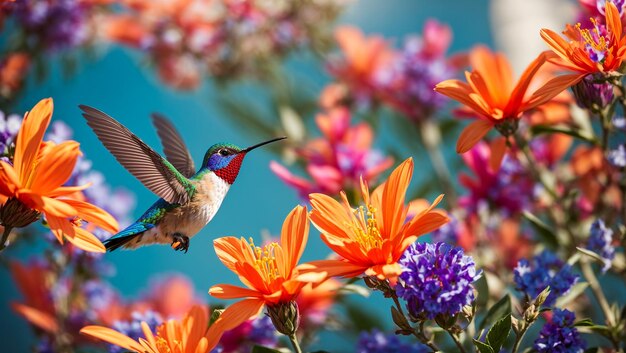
(541, 298)
(285, 317)
(401, 321)
(14, 214)
(593, 93)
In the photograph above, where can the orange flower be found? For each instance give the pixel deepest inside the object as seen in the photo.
(268, 272)
(37, 308)
(490, 93)
(362, 57)
(371, 238)
(590, 50)
(35, 180)
(185, 336)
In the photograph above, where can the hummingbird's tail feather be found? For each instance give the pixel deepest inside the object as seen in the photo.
(125, 237)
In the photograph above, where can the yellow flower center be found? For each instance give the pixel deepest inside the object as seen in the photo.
(265, 260)
(365, 228)
(592, 37)
(162, 345)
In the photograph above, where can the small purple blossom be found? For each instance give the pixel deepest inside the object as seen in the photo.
(617, 157)
(559, 335)
(9, 126)
(545, 269)
(601, 242)
(592, 93)
(380, 342)
(263, 332)
(619, 122)
(133, 328)
(54, 24)
(447, 233)
(408, 83)
(436, 279)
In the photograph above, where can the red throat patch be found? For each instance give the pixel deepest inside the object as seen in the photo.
(230, 172)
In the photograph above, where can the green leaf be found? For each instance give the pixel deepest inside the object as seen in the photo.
(543, 129)
(591, 254)
(483, 347)
(584, 322)
(482, 287)
(499, 310)
(573, 293)
(261, 349)
(543, 230)
(498, 334)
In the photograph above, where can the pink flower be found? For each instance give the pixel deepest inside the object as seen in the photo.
(337, 160)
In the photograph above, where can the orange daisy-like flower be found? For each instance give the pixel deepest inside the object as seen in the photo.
(185, 336)
(588, 51)
(268, 272)
(371, 238)
(491, 94)
(34, 184)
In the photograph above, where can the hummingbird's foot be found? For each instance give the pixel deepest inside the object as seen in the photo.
(180, 242)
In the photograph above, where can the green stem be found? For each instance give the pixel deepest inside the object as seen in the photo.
(519, 336)
(294, 343)
(457, 342)
(431, 138)
(419, 334)
(591, 278)
(5, 237)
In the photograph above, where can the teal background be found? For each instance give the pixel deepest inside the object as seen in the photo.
(120, 85)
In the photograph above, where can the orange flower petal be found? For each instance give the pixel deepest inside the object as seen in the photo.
(233, 316)
(228, 250)
(9, 179)
(384, 271)
(29, 138)
(294, 236)
(36, 317)
(47, 205)
(473, 133)
(498, 149)
(227, 291)
(328, 215)
(55, 167)
(84, 240)
(551, 89)
(517, 96)
(393, 209)
(329, 268)
(111, 336)
(94, 214)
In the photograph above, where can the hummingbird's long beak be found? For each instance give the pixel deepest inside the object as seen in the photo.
(246, 150)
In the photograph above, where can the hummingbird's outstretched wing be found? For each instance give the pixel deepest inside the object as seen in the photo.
(155, 172)
(174, 147)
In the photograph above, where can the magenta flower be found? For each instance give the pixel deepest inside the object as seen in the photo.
(337, 160)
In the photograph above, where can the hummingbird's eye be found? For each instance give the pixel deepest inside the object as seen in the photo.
(224, 152)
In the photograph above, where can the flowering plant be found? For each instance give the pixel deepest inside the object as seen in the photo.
(487, 210)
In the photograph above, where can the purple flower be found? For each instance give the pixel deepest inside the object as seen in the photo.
(544, 270)
(559, 335)
(601, 242)
(617, 157)
(263, 332)
(436, 279)
(593, 94)
(54, 24)
(407, 84)
(9, 126)
(379, 342)
(133, 328)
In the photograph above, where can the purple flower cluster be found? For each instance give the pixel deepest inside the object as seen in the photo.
(53, 24)
(601, 242)
(379, 342)
(617, 157)
(263, 332)
(9, 126)
(559, 335)
(436, 279)
(410, 80)
(545, 269)
(133, 328)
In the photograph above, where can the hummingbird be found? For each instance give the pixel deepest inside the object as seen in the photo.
(188, 200)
